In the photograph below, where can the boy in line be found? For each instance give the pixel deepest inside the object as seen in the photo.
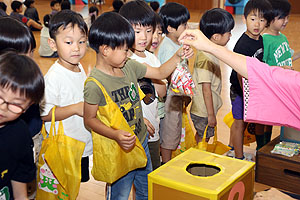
(174, 17)
(17, 8)
(55, 7)
(153, 47)
(64, 81)
(256, 16)
(22, 84)
(216, 24)
(110, 36)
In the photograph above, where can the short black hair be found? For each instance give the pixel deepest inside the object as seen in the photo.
(15, 5)
(63, 19)
(53, 2)
(117, 4)
(154, 5)
(173, 15)
(138, 13)
(3, 6)
(16, 36)
(263, 7)
(111, 29)
(21, 73)
(65, 5)
(216, 20)
(28, 3)
(93, 12)
(280, 8)
(46, 20)
(158, 21)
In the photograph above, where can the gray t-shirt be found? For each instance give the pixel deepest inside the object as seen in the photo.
(123, 91)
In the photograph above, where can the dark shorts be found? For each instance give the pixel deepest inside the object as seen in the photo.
(85, 172)
(237, 104)
(200, 124)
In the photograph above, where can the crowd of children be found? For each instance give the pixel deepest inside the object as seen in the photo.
(131, 53)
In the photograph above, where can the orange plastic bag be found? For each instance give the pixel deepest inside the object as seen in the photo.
(110, 161)
(187, 136)
(216, 147)
(248, 137)
(59, 166)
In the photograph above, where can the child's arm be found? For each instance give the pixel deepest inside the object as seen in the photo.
(296, 56)
(207, 95)
(62, 113)
(123, 138)
(200, 42)
(160, 88)
(19, 190)
(168, 67)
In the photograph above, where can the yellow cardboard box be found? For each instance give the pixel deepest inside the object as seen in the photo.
(200, 175)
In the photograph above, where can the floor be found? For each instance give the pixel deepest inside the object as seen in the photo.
(95, 189)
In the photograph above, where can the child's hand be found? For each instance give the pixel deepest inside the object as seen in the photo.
(150, 127)
(195, 38)
(125, 140)
(212, 121)
(185, 52)
(78, 109)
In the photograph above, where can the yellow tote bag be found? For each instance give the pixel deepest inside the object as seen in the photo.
(59, 166)
(110, 161)
(216, 147)
(187, 136)
(248, 137)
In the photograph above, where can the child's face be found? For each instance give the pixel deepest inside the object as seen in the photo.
(56, 7)
(70, 44)
(143, 37)
(255, 24)
(156, 38)
(20, 10)
(118, 56)
(279, 24)
(224, 38)
(180, 29)
(12, 105)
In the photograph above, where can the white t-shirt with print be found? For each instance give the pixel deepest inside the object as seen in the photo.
(64, 87)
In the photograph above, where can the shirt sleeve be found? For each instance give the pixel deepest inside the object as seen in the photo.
(272, 95)
(93, 94)
(204, 71)
(139, 68)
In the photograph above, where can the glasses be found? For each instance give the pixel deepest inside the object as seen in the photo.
(12, 107)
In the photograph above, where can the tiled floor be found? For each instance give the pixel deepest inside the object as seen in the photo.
(95, 189)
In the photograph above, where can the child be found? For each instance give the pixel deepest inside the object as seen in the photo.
(17, 8)
(155, 6)
(157, 36)
(174, 17)
(93, 14)
(110, 36)
(143, 22)
(216, 24)
(22, 84)
(3, 9)
(276, 46)
(256, 17)
(31, 12)
(117, 4)
(45, 50)
(267, 85)
(55, 7)
(65, 5)
(64, 81)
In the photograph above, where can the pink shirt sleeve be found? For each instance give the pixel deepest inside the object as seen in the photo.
(272, 95)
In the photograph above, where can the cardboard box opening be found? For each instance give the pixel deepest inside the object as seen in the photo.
(203, 170)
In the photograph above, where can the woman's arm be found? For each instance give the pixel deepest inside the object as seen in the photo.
(201, 42)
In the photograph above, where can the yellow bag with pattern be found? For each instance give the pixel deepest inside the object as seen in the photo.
(187, 136)
(59, 166)
(110, 161)
(216, 147)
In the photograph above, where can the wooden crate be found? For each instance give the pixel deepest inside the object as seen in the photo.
(276, 170)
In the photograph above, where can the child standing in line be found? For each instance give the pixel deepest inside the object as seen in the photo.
(64, 81)
(55, 7)
(22, 84)
(143, 23)
(277, 51)
(93, 14)
(153, 47)
(256, 16)
(216, 24)
(17, 8)
(174, 17)
(44, 49)
(110, 36)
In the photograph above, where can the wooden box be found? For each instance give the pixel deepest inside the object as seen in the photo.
(276, 170)
(200, 175)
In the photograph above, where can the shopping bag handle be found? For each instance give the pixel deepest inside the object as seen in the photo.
(60, 130)
(215, 136)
